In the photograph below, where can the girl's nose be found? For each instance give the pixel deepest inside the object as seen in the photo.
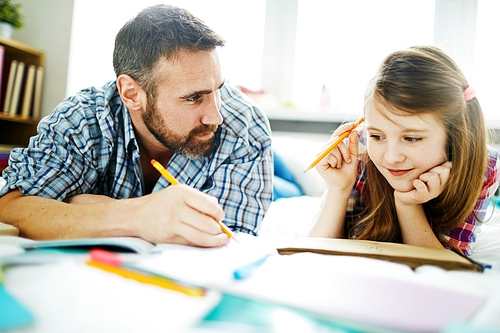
(394, 154)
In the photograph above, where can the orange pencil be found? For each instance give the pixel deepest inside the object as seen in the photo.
(174, 181)
(335, 144)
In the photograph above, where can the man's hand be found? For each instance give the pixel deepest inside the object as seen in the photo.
(180, 214)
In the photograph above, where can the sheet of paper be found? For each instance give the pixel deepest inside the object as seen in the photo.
(340, 287)
(371, 291)
(205, 266)
(70, 296)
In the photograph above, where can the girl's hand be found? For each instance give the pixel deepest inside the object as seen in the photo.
(339, 167)
(427, 187)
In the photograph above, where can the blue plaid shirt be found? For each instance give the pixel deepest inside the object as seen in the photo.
(87, 145)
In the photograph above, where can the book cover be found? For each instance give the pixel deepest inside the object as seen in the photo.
(16, 92)
(411, 255)
(14, 314)
(5, 79)
(37, 93)
(2, 68)
(127, 244)
(28, 92)
(10, 85)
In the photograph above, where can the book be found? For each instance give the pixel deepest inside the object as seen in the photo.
(410, 255)
(16, 91)
(10, 86)
(28, 92)
(120, 244)
(5, 79)
(37, 93)
(14, 314)
(9, 230)
(2, 62)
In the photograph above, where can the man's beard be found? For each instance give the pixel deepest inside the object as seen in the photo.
(188, 146)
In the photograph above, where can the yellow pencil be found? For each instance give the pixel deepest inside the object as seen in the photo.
(148, 279)
(335, 144)
(174, 181)
(164, 172)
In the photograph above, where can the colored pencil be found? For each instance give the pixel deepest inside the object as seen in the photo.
(147, 278)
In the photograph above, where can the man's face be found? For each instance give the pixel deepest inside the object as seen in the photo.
(184, 114)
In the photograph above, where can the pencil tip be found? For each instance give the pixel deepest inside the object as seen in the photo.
(308, 168)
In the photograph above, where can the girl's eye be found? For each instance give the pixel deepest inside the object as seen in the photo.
(412, 139)
(376, 137)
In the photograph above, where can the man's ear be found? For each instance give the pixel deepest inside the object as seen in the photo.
(131, 93)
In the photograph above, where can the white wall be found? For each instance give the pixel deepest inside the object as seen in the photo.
(240, 57)
(47, 26)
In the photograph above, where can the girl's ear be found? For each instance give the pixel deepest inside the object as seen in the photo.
(131, 93)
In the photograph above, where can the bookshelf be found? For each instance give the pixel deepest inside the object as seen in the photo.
(16, 129)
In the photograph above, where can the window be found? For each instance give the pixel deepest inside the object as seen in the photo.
(91, 50)
(486, 59)
(316, 55)
(340, 44)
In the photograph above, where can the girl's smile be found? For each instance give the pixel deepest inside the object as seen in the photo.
(397, 173)
(403, 147)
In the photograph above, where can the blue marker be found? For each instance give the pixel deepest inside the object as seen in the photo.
(244, 271)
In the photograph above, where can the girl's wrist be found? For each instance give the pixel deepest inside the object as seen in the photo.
(338, 193)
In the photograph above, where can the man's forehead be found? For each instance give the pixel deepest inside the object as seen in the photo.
(191, 72)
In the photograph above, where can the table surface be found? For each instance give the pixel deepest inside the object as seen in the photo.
(66, 295)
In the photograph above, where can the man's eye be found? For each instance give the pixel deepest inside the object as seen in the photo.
(193, 99)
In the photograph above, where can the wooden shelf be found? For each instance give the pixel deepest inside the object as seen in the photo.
(16, 130)
(22, 52)
(18, 119)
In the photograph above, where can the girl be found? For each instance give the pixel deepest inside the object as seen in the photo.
(427, 175)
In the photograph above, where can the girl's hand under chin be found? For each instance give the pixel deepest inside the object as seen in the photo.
(428, 186)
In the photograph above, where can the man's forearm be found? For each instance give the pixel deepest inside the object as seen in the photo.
(85, 217)
(177, 214)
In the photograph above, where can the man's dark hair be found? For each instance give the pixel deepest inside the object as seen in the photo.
(156, 32)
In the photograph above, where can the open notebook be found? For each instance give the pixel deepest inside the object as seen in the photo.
(410, 255)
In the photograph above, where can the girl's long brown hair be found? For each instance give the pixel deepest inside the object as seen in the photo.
(421, 80)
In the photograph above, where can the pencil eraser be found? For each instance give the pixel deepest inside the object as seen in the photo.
(106, 257)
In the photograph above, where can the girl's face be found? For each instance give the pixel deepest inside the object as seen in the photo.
(404, 147)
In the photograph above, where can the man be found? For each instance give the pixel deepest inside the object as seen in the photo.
(88, 173)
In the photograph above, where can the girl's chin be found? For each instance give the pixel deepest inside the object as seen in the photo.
(402, 187)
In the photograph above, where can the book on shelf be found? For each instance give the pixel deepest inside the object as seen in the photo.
(5, 150)
(28, 92)
(18, 85)
(410, 255)
(4, 160)
(37, 93)
(2, 69)
(5, 80)
(10, 85)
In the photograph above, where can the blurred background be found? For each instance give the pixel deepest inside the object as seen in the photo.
(304, 61)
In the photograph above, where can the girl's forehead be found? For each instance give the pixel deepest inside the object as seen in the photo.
(377, 115)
